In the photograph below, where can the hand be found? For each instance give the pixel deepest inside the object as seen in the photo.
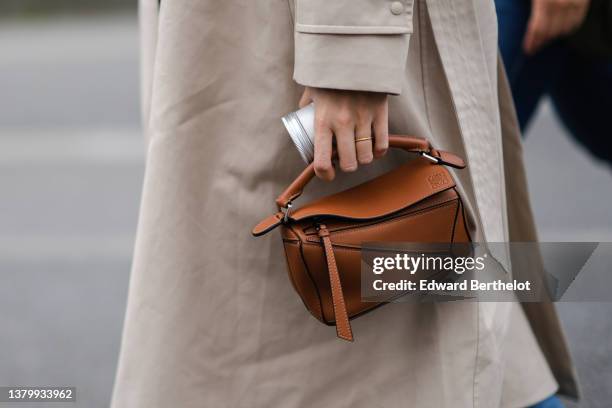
(347, 116)
(551, 19)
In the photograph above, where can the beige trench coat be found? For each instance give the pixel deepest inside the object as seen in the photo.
(212, 320)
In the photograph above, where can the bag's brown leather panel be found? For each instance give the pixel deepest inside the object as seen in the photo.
(391, 192)
(301, 280)
(438, 219)
(435, 225)
(406, 225)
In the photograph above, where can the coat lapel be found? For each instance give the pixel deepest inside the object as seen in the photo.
(471, 72)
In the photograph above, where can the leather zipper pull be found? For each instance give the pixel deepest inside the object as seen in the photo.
(343, 325)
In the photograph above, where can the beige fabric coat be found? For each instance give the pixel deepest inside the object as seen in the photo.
(212, 320)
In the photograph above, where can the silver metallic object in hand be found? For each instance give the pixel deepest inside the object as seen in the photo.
(300, 125)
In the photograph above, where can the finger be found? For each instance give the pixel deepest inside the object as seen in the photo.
(363, 143)
(575, 17)
(380, 126)
(306, 98)
(567, 21)
(323, 152)
(533, 38)
(557, 23)
(583, 10)
(536, 28)
(345, 142)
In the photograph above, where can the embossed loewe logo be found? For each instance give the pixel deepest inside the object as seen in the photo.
(437, 180)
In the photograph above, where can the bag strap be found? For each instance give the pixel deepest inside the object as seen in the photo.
(407, 143)
(343, 325)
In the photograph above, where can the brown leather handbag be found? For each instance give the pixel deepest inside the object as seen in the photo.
(415, 202)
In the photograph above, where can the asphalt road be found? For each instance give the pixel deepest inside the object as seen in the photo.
(71, 167)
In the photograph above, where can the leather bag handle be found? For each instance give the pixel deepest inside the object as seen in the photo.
(407, 143)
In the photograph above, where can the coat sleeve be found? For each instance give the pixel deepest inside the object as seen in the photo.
(352, 44)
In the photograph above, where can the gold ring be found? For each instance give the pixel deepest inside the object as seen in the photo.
(361, 139)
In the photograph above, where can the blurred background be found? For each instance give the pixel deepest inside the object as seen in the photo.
(71, 169)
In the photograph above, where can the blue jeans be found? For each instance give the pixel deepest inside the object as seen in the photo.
(550, 402)
(580, 88)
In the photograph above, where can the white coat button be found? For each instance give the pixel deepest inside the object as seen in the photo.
(397, 8)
